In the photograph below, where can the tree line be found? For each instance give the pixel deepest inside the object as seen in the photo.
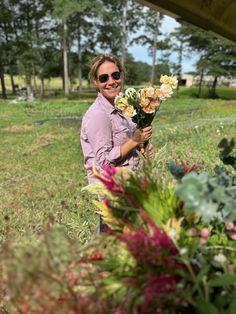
(51, 38)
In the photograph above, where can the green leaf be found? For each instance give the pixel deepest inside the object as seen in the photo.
(202, 273)
(206, 308)
(223, 281)
(232, 307)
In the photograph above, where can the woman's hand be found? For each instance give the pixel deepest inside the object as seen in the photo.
(142, 136)
(148, 152)
(139, 138)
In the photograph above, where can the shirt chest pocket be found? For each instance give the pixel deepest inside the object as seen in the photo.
(121, 132)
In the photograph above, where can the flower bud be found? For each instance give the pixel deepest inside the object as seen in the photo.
(205, 233)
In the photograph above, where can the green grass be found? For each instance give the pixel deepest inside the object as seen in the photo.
(52, 83)
(42, 170)
(221, 92)
(41, 163)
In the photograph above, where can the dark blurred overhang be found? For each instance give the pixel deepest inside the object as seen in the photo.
(218, 16)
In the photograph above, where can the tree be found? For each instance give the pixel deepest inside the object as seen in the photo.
(151, 28)
(83, 33)
(180, 37)
(63, 10)
(119, 19)
(217, 56)
(7, 49)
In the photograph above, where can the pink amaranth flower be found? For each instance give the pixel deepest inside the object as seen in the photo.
(108, 179)
(157, 292)
(96, 257)
(156, 248)
(109, 171)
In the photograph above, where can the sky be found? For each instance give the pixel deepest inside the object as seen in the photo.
(140, 53)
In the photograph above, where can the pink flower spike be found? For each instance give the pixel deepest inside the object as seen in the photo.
(205, 233)
(192, 232)
(109, 170)
(203, 240)
(230, 226)
(233, 236)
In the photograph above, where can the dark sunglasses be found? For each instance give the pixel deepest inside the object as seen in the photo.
(103, 78)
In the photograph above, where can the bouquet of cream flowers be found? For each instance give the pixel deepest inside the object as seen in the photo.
(141, 105)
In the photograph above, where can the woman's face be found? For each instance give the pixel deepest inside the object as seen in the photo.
(108, 81)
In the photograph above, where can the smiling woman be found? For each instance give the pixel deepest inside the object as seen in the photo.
(107, 137)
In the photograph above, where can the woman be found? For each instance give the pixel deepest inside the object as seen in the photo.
(107, 137)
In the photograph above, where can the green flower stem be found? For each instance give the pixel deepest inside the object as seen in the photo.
(194, 277)
(221, 247)
(206, 290)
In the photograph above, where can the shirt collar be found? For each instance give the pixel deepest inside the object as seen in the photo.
(106, 104)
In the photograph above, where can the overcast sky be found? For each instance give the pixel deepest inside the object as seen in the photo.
(140, 53)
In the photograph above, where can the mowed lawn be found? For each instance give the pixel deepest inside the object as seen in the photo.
(41, 163)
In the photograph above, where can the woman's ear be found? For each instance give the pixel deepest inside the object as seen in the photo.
(95, 83)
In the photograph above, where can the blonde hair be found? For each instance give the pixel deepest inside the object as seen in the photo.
(100, 59)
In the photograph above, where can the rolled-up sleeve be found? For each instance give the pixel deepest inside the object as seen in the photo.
(99, 133)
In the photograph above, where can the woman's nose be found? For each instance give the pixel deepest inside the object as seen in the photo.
(110, 80)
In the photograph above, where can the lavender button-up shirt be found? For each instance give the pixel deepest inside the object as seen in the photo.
(103, 131)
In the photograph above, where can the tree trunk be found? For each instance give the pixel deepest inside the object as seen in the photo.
(200, 84)
(124, 32)
(30, 92)
(213, 88)
(3, 86)
(79, 64)
(154, 48)
(65, 60)
(42, 86)
(34, 80)
(180, 57)
(13, 87)
(42, 89)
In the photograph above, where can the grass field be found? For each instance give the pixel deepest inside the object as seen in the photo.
(41, 163)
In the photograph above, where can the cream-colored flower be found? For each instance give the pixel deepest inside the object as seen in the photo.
(121, 102)
(152, 106)
(165, 91)
(170, 80)
(220, 258)
(173, 227)
(142, 93)
(129, 111)
(131, 93)
(149, 92)
(144, 102)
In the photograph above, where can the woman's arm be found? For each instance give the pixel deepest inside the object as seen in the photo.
(99, 133)
(139, 137)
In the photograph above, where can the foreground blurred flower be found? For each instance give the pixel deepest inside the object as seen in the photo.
(154, 248)
(173, 228)
(220, 258)
(205, 232)
(158, 292)
(192, 232)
